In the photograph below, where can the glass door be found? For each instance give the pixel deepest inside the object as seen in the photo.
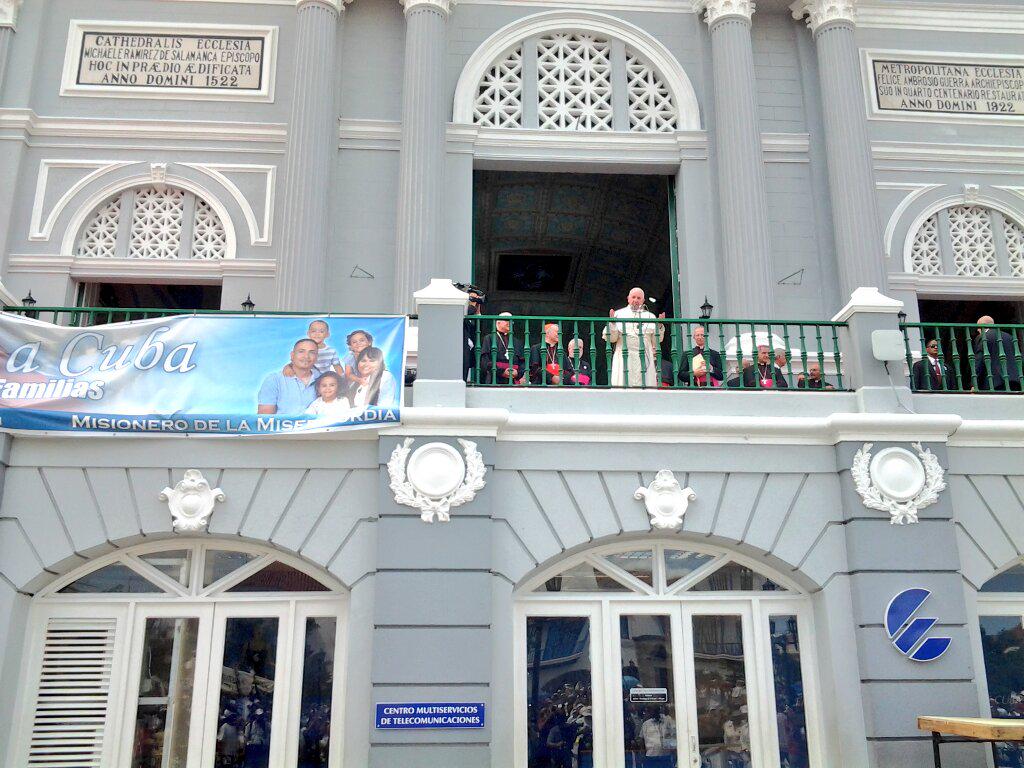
(168, 666)
(245, 712)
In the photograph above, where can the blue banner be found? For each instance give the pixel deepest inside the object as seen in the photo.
(205, 374)
(443, 715)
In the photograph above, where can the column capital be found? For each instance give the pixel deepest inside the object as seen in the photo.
(821, 12)
(444, 6)
(714, 10)
(9, 12)
(337, 5)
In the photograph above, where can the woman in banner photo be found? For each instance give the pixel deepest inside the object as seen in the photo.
(379, 387)
(330, 402)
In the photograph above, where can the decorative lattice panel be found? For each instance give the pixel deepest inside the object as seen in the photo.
(99, 238)
(651, 107)
(574, 88)
(1014, 247)
(925, 257)
(499, 98)
(209, 240)
(974, 249)
(156, 224)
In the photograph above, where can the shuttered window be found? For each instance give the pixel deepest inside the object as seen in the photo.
(74, 693)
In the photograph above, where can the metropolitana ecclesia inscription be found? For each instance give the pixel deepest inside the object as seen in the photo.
(962, 88)
(183, 61)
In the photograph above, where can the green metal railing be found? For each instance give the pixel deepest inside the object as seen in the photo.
(965, 360)
(654, 353)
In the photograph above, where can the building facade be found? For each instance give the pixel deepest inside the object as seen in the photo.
(635, 575)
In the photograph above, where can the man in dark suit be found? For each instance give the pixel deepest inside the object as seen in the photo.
(812, 379)
(931, 374)
(763, 374)
(700, 347)
(502, 355)
(995, 357)
(547, 358)
(470, 329)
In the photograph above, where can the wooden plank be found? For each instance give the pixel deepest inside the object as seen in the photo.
(974, 727)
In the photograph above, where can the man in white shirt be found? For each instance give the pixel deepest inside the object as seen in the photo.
(634, 344)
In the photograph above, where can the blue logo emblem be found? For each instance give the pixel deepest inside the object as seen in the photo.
(906, 632)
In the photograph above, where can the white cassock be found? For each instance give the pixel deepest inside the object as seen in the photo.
(627, 336)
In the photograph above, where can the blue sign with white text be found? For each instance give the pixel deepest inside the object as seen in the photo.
(906, 632)
(444, 715)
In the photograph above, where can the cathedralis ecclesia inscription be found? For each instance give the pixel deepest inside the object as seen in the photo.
(949, 87)
(171, 61)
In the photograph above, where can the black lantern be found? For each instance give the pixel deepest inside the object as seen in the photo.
(28, 301)
(248, 305)
(706, 309)
(902, 316)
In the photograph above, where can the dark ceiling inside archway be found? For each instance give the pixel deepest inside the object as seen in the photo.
(570, 244)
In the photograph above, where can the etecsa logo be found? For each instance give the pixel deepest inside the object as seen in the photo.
(907, 632)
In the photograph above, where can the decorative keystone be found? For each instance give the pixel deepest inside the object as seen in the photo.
(898, 482)
(665, 500)
(191, 501)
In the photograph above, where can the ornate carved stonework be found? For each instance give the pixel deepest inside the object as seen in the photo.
(820, 12)
(337, 5)
(898, 482)
(665, 500)
(435, 478)
(9, 12)
(158, 172)
(719, 9)
(191, 501)
(444, 6)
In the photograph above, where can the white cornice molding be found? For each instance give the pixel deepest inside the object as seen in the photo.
(994, 18)
(931, 152)
(112, 270)
(955, 285)
(444, 6)
(9, 12)
(821, 12)
(31, 124)
(716, 10)
(664, 6)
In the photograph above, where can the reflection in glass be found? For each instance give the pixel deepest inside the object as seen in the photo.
(679, 564)
(278, 577)
(559, 705)
(648, 694)
(640, 564)
(1007, 581)
(246, 692)
(734, 577)
(112, 579)
(176, 563)
(317, 684)
(789, 692)
(723, 727)
(220, 562)
(1002, 642)
(582, 578)
(165, 693)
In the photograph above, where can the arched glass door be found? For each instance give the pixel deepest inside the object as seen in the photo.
(660, 656)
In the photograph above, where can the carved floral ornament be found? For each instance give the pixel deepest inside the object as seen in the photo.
(435, 478)
(665, 500)
(819, 12)
(720, 9)
(898, 482)
(191, 501)
(444, 6)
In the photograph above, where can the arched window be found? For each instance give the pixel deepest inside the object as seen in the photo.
(969, 241)
(681, 652)
(1001, 620)
(186, 654)
(575, 71)
(155, 222)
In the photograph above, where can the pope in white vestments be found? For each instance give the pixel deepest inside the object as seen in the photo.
(629, 368)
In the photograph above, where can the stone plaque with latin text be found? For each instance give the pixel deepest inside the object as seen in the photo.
(949, 87)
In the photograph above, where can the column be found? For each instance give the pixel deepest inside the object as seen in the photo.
(312, 148)
(741, 185)
(859, 247)
(421, 173)
(8, 21)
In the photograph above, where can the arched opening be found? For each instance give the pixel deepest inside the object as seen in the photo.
(664, 654)
(185, 654)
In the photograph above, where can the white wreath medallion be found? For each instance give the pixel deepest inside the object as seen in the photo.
(191, 501)
(898, 482)
(435, 478)
(665, 500)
